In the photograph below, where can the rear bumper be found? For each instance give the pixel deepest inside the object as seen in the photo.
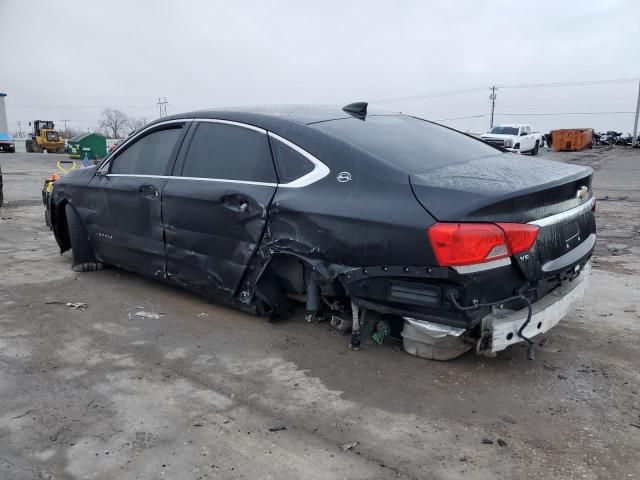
(502, 326)
(499, 329)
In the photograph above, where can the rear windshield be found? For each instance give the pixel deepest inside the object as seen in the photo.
(412, 144)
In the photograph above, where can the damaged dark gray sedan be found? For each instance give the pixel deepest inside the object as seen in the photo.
(385, 223)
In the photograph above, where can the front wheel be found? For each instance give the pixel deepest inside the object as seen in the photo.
(535, 149)
(83, 258)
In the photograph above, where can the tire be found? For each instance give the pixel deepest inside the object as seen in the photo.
(83, 258)
(28, 145)
(535, 149)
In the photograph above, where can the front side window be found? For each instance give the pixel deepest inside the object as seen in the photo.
(149, 155)
(229, 152)
(291, 164)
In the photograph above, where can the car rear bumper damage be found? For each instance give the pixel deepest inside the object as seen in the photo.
(501, 328)
(502, 325)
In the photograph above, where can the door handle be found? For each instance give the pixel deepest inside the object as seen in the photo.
(236, 203)
(148, 191)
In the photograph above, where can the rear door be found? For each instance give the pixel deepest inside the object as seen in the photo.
(215, 206)
(128, 229)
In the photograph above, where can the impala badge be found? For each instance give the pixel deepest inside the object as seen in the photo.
(582, 193)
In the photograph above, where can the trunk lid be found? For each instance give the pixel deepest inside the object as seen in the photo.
(512, 188)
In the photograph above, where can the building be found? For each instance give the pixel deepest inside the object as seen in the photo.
(4, 125)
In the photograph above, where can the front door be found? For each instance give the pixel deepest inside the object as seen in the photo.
(215, 207)
(128, 233)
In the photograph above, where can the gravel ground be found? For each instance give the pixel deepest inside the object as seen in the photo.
(203, 391)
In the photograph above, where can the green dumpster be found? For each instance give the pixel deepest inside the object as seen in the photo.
(92, 145)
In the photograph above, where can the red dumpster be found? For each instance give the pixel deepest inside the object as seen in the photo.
(573, 139)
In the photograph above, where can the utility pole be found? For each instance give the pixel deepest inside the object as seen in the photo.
(65, 123)
(162, 106)
(634, 140)
(20, 128)
(492, 97)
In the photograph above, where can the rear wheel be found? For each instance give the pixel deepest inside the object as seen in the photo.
(83, 258)
(28, 145)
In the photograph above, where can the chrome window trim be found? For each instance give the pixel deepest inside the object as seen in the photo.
(559, 217)
(319, 171)
(105, 164)
(230, 122)
(202, 179)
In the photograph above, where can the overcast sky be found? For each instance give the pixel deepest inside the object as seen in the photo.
(69, 59)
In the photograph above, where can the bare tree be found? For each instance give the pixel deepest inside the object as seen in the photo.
(69, 132)
(113, 122)
(136, 124)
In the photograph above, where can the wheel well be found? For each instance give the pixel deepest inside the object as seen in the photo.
(59, 225)
(289, 272)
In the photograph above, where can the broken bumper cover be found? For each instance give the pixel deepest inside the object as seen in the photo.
(499, 329)
(502, 326)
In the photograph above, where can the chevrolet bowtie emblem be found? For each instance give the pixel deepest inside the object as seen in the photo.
(582, 193)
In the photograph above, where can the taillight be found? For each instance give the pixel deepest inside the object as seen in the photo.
(470, 243)
(521, 236)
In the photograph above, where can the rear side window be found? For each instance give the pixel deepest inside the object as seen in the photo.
(229, 152)
(148, 156)
(291, 164)
(412, 144)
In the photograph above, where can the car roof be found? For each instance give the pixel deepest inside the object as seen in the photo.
(264, 116)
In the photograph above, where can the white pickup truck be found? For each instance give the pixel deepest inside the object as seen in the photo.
(513, 137)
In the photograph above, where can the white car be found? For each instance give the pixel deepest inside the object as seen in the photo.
(513, 137)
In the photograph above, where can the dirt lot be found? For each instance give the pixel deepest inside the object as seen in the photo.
(102, 393)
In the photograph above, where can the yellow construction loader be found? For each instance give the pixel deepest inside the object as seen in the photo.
(44, 137)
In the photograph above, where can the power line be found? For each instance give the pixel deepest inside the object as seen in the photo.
(565, 113)
(430, 95)
(461, 118)
(523, 85)
(480, 115)
(571, 84)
